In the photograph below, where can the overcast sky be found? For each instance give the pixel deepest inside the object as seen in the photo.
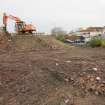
(46, 14)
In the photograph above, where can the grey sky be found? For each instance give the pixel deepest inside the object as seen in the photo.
(46, 14)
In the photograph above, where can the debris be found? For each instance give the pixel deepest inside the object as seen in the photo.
(95, 69)
(57, 64)
(66, 101)
(96, 93)
(98, 78)
(68, 61)
(67, 80)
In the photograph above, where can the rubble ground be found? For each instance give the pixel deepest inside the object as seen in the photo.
(73, 76)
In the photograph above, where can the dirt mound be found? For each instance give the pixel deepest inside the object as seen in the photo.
(36, 42)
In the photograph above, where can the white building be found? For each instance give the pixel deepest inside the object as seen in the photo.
(90, 32)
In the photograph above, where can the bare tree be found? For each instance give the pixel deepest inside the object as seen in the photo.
(58, 31)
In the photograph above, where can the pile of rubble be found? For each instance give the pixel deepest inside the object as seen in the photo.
(92, 82)
(89, 80)
(84, 75)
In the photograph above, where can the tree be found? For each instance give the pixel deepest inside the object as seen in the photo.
(58, 31)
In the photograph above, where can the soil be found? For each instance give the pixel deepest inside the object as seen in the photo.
(72, 76)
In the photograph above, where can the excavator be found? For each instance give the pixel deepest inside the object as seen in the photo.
(20, 26)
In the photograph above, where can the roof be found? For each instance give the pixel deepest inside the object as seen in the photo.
(93, 29)
(73, 37)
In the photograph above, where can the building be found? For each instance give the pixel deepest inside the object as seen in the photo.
(90, 32)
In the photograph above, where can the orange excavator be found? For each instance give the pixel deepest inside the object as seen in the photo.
(20, 26)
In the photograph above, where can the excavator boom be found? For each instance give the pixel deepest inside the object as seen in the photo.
(14, 18)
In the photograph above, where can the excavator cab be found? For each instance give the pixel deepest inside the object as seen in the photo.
(19, 27)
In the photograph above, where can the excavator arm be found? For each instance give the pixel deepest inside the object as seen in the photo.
(14, 18)
(5, 18)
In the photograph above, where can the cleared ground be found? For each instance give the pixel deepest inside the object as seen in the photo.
(52, 76)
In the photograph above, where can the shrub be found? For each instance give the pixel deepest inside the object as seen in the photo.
(103, 43)
(60, 37)
(97, 42)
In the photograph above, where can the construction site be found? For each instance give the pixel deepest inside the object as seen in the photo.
(40, 70)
